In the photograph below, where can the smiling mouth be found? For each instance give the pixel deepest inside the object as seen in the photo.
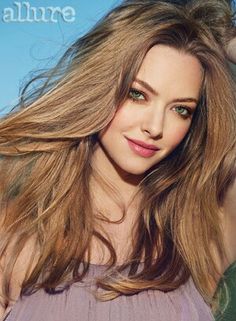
(140, 150)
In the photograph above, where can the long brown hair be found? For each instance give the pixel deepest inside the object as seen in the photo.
(46, 144)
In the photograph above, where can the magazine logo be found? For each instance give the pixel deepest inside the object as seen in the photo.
(24, 12)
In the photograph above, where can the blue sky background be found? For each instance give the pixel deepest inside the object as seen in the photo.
(26, 46)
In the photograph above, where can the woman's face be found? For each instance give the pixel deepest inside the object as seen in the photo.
(157, 112)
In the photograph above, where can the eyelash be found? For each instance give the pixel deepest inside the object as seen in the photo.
(133, 90)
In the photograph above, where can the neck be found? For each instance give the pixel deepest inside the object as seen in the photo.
(124, 184)
(115, 202)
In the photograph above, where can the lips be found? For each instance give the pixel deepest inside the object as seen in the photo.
(142, 144)
(143, 150)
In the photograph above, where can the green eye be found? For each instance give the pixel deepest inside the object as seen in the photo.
(183, 111)
(135, 94)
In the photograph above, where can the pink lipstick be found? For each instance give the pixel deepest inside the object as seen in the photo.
(141, 148)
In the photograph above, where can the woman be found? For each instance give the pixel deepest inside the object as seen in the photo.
(115, 170)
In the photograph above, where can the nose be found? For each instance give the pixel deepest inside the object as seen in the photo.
(153, 122)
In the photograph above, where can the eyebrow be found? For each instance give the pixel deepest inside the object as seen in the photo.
(154, 92)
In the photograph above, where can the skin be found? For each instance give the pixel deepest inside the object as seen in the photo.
(231, 50)
(152, 118)
(153, 121)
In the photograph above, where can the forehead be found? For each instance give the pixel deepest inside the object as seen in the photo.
(171, 71)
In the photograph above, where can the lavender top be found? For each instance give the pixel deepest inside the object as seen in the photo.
(78, 304)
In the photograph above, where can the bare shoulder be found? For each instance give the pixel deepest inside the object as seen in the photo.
(23, 265)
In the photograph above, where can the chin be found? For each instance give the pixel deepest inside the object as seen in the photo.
(132, 170)
(136, 172)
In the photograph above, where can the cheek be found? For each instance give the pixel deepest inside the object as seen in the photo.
(176, 134)
(119, 122)
(123, 119)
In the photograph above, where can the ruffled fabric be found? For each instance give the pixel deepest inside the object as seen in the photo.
(79, 304)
